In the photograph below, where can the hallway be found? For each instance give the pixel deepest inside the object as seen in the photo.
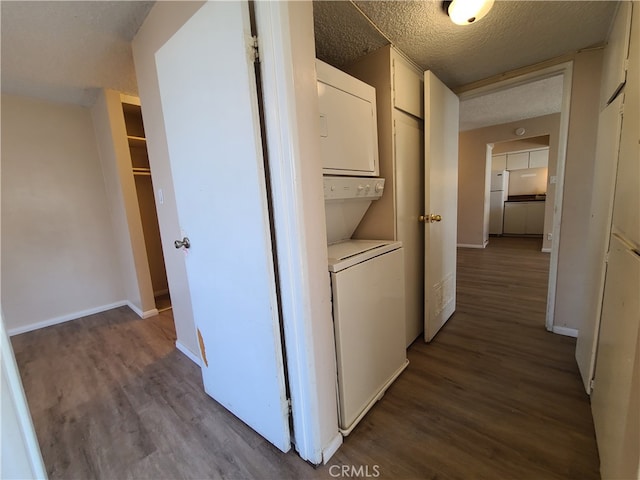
(493, 396)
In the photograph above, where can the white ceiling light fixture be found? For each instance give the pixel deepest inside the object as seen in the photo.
(466, 12)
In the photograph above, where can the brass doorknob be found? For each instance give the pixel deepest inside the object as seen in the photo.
(429, 218)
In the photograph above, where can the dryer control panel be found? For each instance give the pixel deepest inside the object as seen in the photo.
(343, 188)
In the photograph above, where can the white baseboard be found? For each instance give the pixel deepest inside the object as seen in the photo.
(329, 450)
(546, 250)
(188, 353)
(150, 313)
(146, 314)
(66, 318)
(469, 245)
(567, 332)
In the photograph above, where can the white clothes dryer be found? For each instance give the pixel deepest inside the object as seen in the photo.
(367, 284)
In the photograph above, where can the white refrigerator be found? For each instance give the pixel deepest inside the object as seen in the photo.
(498, 195)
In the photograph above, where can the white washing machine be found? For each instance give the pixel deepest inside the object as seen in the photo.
(367, 283)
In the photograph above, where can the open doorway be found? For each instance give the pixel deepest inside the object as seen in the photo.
(141, 171)
(550, 120)
(518, 189)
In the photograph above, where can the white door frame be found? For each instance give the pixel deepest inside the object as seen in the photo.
(18, 438)
(487, 193)
(287, 57)
(566, 70)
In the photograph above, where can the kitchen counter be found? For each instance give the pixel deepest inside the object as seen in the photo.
(526, 198)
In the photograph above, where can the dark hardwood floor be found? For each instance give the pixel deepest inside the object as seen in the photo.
(494, 396)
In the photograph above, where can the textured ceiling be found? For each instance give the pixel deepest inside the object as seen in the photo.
(531, 100)
(512, 35)
(66, 51)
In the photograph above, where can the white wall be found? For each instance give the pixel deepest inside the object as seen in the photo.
(58, 255)
(572, 288)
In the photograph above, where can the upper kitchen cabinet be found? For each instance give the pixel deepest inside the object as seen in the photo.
(407, 86)
(517, 161)
(538, 158)
(499, 162)
(400, 107)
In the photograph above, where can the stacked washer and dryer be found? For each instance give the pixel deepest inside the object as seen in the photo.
(367, 276)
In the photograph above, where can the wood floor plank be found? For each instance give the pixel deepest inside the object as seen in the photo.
(493, 396)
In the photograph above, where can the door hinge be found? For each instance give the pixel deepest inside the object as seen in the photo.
(591, 384)
(289, 406)
(256, 51)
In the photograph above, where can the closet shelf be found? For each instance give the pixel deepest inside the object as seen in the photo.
(137, 142)
(141, 171)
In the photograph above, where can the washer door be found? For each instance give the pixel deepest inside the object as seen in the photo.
(369, 323)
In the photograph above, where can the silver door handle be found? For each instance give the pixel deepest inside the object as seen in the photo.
(182, 243)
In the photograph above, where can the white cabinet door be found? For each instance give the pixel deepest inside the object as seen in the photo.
(539, 158)
(515, 218)
(524, 218)
(441, 198)
(369, 347)
(535, 218)
(214, 140)
(517, 161)
(407, 87)
(498, 162)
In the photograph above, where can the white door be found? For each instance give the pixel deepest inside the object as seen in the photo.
(440, 202)
(597, 242)
(209, 100)
(614, 403)
(409, 199)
